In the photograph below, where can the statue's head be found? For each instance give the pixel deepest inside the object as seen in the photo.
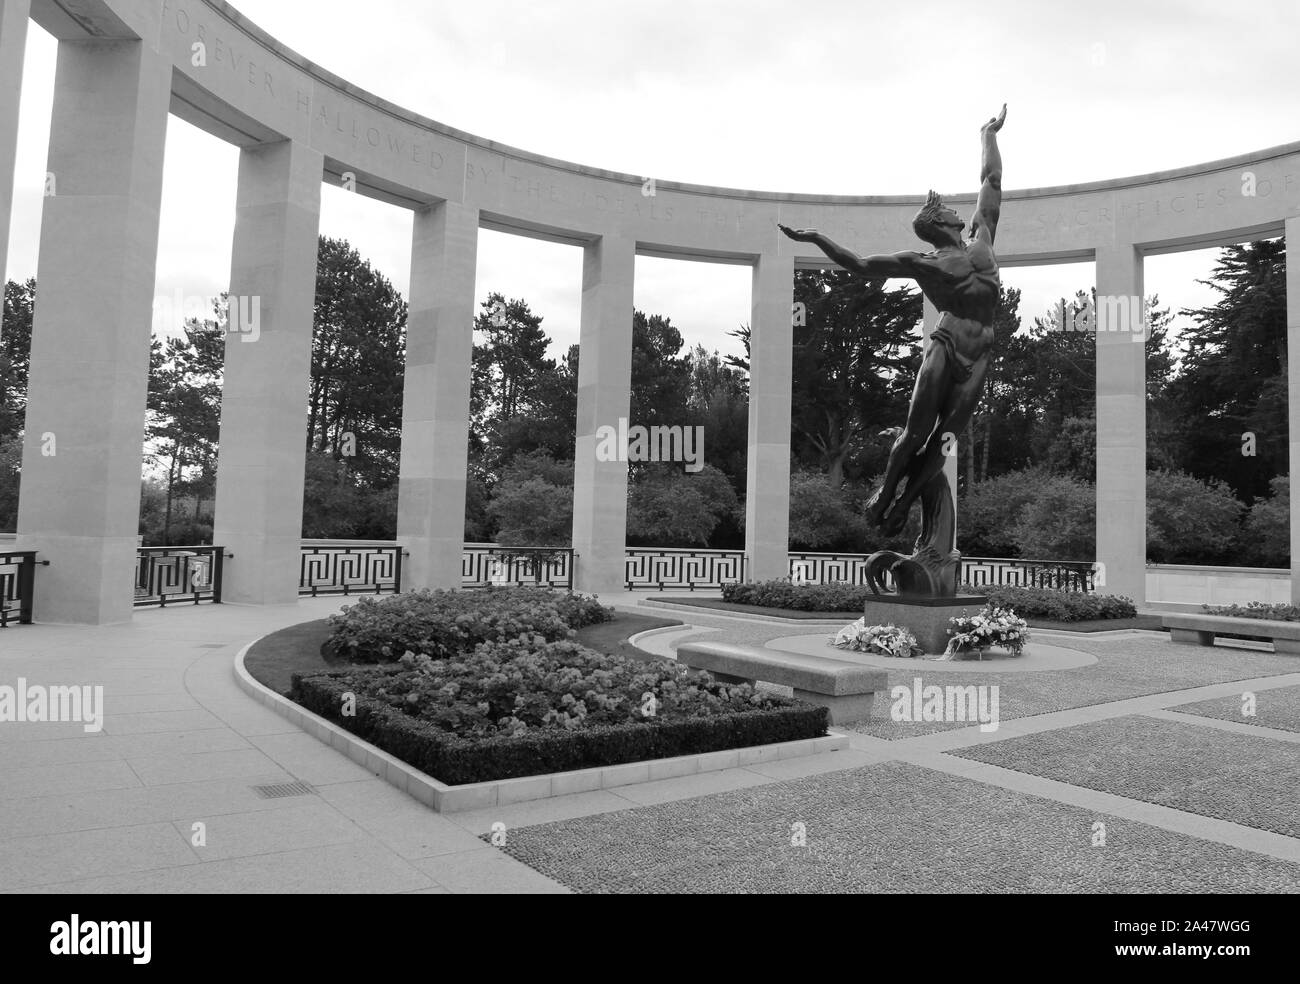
(936, 223)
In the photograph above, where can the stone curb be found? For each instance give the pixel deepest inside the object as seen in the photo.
(502, 792)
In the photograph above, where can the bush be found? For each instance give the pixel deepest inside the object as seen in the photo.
(1257, 609)
(989, 512)
(442, 623)
(798, 597)
(1059, 521)
(506, 710)
(1190, 521)
(1266, 533)
(1052, 605)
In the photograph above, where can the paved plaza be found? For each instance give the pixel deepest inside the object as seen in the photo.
(1136, 772)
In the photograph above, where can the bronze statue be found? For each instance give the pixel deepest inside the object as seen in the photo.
(960, 277)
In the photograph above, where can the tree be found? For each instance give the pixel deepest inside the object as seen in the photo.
(855, 357)
(15, 359)
(354, 406)
(1233, 383)
(520, 401)
(183, 420)
(532, 504)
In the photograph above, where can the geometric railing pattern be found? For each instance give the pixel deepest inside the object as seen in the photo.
(691, 570)
(17, 570)
(374, 568)
(178, 575)
(482, 565)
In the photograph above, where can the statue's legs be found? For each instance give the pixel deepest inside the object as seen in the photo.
(922, 413)
(957, 408)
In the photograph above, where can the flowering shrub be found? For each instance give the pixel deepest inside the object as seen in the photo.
(887, 640)
(992, 626)
(507, 709)
(511, 687)
(442, 623)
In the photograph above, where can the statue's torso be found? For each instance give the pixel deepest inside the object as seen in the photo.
(964, 285)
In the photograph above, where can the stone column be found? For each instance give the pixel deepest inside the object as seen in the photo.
(1293, 391)
(767, 477)
(604, 399)
(80, 493)
(13, 47)
(1121, 423)
(930, 316)
(435, 401)
(268, 372)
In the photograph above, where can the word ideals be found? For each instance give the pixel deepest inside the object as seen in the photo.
(657, 443)
(1105, 314)
(102, 939)
(934, 703)
(25, 704)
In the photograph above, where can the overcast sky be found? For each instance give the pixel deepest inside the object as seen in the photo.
(833, 96)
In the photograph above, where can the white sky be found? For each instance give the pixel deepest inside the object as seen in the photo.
(832, 96)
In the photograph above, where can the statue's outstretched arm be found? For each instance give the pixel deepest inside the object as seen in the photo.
(881, 266)
(984, 225)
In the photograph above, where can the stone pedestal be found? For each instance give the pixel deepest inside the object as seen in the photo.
(925, 618)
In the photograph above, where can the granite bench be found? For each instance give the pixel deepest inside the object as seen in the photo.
(1201, 630)
(845, 689)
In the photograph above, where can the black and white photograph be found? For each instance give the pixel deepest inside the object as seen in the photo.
(681, 448)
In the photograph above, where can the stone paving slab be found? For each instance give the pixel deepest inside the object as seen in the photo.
(1245, 779)
(1278, 709)
(892, 827)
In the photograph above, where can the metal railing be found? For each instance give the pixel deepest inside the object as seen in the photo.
(830, 568)
(363, 568)
(487, 564)
(178, 575)
(660, 568)
(17, 583)
(1062, 575)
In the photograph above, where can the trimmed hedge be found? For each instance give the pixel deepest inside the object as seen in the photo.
(457, 760)
(798, 597)
(1258, 610)
(1048, 604)
(442, 623)
(1052, 605)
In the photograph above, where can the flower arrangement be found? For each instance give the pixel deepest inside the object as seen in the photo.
(887, 640)
(992, 626)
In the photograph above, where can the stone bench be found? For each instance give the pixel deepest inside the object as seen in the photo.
(1201, 630)
(845, 689)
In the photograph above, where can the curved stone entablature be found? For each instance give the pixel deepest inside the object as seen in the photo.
(254, 89)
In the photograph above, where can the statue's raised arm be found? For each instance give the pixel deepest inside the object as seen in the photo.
(984, 223)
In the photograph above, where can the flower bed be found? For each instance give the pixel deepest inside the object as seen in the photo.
(443, 623)
(991, 626)
(885, 640)
(508, 710)
(1256, 610)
